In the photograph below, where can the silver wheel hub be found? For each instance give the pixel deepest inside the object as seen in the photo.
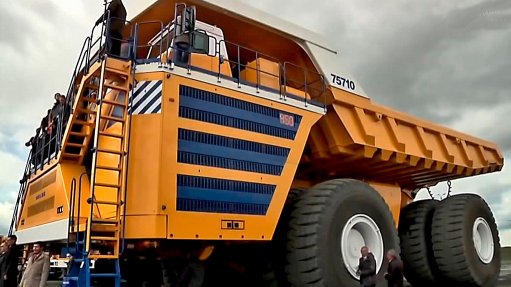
(483, 240)
(360, 230)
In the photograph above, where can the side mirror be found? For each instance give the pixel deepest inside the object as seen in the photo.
(200, 42)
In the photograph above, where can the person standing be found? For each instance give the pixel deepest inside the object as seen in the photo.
(394, 275)
(3, 256)
(367, 268)
(118, 14)
(38, 268)
(12, 256)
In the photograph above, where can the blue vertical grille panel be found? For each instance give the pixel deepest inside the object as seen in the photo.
(221, 110)
(223, 152)
(203, 194)
(222, 162)
(223, 120)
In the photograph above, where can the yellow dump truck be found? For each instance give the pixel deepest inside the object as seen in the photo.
(220, 146)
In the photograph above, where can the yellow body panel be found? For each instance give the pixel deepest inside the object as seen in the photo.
(359, 139)
(47, 198)
(392, 195)
(146, 226)
(153, 169)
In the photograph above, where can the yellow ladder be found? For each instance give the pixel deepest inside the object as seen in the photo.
(111, 127)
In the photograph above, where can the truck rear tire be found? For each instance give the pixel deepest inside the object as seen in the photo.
(416, 248)
(329, 224)
(466, 241)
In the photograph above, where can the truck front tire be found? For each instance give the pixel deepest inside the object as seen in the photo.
(329, 224)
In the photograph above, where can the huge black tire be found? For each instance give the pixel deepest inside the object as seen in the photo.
(416, 249)
(318, 223)
(458, 222)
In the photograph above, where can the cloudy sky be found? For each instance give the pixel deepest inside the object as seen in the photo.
(445, 61)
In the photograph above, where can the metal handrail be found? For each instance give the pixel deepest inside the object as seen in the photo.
(127, 159)
(70, 226)
(305, 84)
(136, 44)
(79, 212)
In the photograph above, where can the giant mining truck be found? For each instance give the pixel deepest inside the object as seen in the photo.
(222, 146)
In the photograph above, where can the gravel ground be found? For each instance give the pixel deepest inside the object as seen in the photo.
(504, 279)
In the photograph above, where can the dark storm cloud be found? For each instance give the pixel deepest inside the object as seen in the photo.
(455, 60)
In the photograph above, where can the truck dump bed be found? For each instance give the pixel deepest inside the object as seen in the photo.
(360, 139)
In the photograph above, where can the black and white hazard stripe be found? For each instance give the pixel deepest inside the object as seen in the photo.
(147, 98)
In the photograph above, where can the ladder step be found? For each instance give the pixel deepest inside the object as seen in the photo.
(88, 99)
(78, 134)
(72, 155)
(108, 167)
(85, 111)
(91, 86)
(107, 134)
(105, 221)
(113, 119)
(75, 145)
(113, 87)
(106, 202)
(98, 227)
(103, 238)
(83, 123)
(103, 184)
(115, 103)
(117, 72)
(104, 150)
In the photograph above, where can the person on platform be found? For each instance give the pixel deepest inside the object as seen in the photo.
(117, 19)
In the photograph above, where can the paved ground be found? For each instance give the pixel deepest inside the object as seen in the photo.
(504, 279)
(505, 274)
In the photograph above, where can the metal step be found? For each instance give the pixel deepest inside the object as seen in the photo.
(85, 111)
(119, 136)
(115, 103)
(70, 155)
(104, 150)
(105, 221)
(116, 72)
(88, 99)
(110, 118)
(78, 134)
(91, 86)
(103, 238)
(83, 123)
(75, 145)
(102, 227)
(108, 168)
(105, 202)
(104, 184)
(117, 88)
